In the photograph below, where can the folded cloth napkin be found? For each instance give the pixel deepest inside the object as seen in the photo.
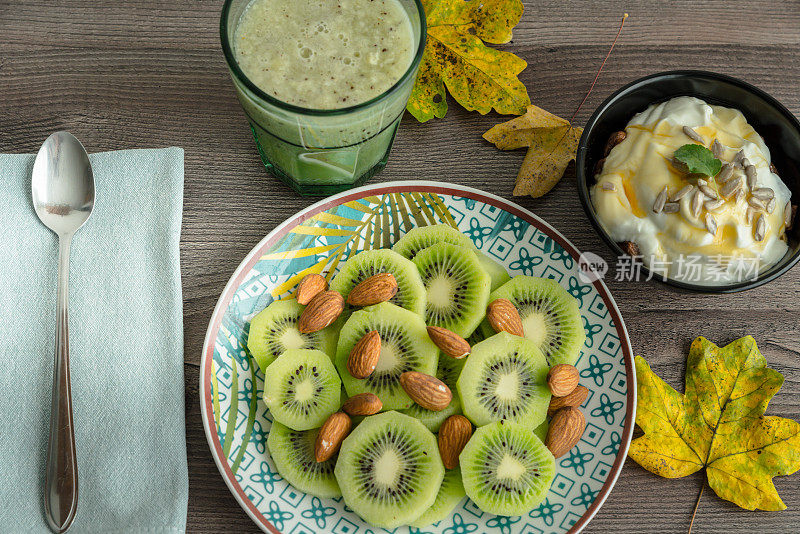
(126, 348)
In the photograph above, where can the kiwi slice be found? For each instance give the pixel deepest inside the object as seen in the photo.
(448, 371)
(505, 377)
(293, 454)
(450, 494)
(541, 430)
(274, 330)
(457, 287)
(425, 236)
(410, 291)
(405, 346)
(302, 388)
(497, 273)
(506, 469)
(389, 469)
(551, 317)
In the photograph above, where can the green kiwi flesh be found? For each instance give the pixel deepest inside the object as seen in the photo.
(425, 236)
(551, 317)
(274, 330)
(497, 273)
(448, 371)
(451, 492)
(302, 388)
(457, 287)
(506, 469)
(292, 452)
(405, 346)
(410, 291)
(505, 377)
(389, 469)
(541, 430)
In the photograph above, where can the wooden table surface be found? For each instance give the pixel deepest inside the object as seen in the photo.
(150, 73)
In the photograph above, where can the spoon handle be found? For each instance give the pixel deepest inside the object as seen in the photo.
(61, 481)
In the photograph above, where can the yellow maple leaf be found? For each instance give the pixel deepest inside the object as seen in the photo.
(718, 424)
(478, 77)
(552, 143)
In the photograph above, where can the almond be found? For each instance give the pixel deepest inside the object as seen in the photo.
(323, 309)
(615, 139)
(562, 379)
(504, 317)
(449, 342)
(630, 248)
(364, 355)
(331, 435)
(426, 390)
(309, 286)
(453, 436)
(565, 430)
(363, 404)
(575, 399)
(374, 290)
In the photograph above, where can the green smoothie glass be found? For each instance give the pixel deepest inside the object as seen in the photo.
(323, 151)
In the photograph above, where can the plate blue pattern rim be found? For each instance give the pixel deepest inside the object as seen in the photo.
(424, 186)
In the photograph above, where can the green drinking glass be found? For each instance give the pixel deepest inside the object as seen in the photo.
(323, 151)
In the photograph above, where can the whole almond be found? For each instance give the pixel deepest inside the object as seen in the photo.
(323, 309)
(615, 139)
(374, 290)
(364, 355)
(331, 435)
(453, 436)
(363, 404)
(449, 342)
(426, 390)
(309, 286)
(562, 379)
(504, 317)
(575, 398)
(566, 429)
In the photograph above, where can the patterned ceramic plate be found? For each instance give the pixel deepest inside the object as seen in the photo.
(317, 240)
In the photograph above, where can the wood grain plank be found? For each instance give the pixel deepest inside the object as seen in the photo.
(146, 73)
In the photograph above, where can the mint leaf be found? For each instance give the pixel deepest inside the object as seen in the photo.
(698, 160)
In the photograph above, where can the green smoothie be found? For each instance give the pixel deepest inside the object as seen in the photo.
(324, 83)
(324, 54)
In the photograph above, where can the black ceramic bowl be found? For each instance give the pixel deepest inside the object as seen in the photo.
(776, 124)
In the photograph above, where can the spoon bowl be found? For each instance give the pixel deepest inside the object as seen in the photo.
(62, 188)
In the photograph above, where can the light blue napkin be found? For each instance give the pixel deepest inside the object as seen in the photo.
(126, 347)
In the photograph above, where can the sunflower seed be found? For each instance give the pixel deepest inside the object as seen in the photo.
(711, 224)
(691, 134)
(682, 192)
(761, 228)
(771, 205)
(750, 172)
(608, 186)
(739, 195)
(731, 186)
(712, 205)
(737, 159)
(788, 214)
(725, 174)
(773, 169)
(745, 162)
(750, 214)
(763, 193)
(661, 199)
(701, 181)
(672, 207)
(756, 203)
(697, 203)
(716, 149)
(679, 165)
(707, 191)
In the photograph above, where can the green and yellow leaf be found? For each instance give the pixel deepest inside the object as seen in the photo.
(478, 77)
(718, 424)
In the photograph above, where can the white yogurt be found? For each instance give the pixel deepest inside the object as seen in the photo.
(637, 170)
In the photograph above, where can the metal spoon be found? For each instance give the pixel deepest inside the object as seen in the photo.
(63, 197)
